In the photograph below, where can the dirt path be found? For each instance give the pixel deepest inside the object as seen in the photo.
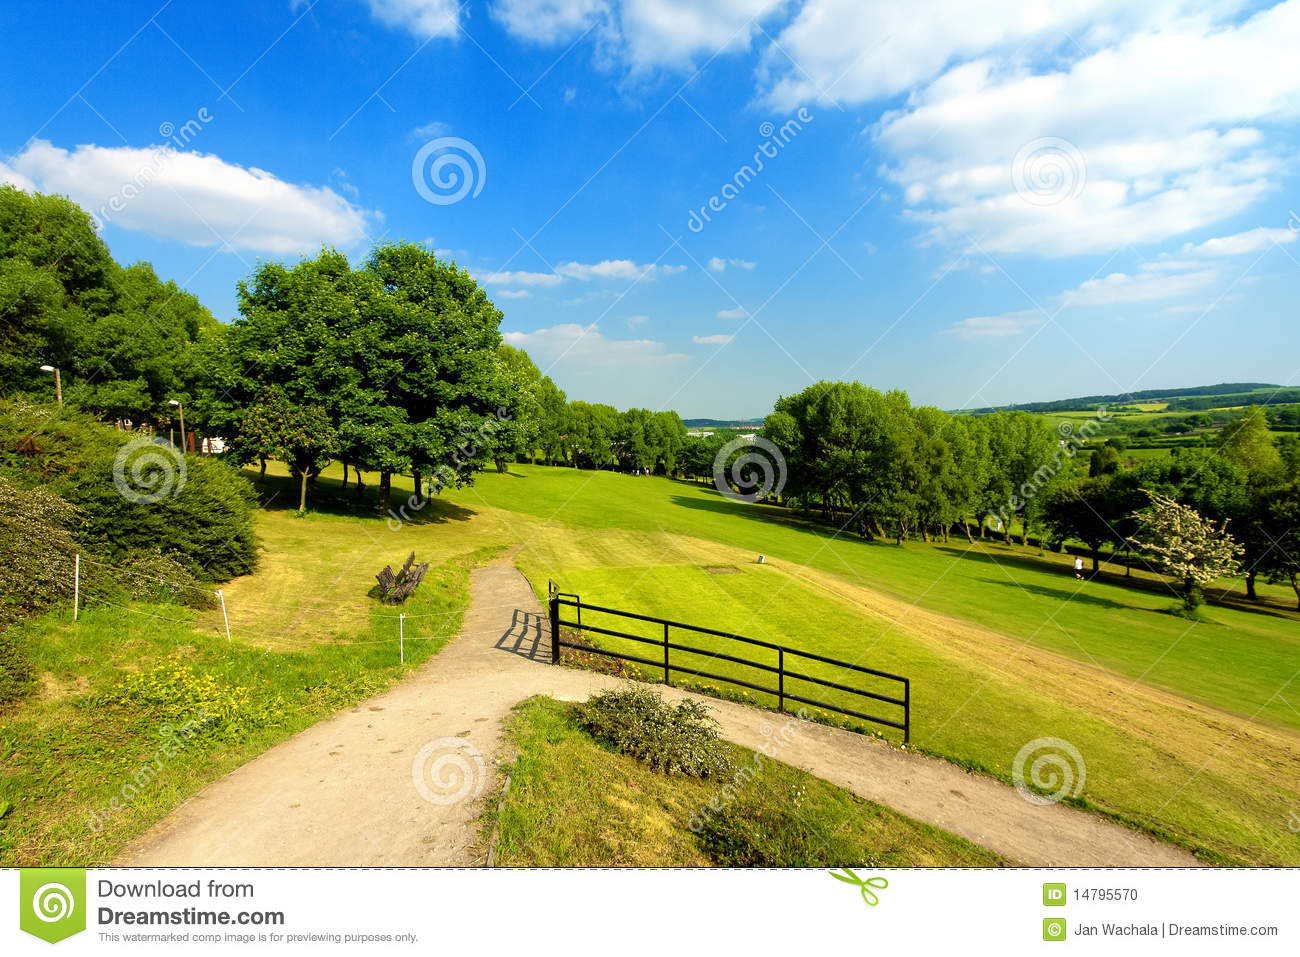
(401, 778)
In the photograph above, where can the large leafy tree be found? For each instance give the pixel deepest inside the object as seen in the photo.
(553, 421)
(400, 353)
(1279, 521)
(430, 359)
(1096, 510)
(122, 339)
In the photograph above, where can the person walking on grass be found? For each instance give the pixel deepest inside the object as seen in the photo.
(1078, 568)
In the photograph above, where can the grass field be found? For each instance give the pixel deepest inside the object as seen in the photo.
(1188, 730)
(117, 686)
(574, 802)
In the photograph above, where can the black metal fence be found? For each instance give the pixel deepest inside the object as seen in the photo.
(776, 665)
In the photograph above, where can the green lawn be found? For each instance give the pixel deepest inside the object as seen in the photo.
(574, 802)
(1212, 778)
(1188, 730)
(119, 685)
(1239, 661)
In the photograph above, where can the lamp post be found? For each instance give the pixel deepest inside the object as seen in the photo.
(180, 408)
(58, 385)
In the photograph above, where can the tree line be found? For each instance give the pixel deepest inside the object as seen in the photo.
(871, 462)
(394, 366)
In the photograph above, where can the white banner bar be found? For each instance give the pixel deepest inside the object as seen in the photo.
(658, 913)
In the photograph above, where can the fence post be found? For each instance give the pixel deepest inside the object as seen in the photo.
(401, 637)
(667, 679)
(907, 710)
(553, 604)
(76, 586)
(222, 596)
(780, 680)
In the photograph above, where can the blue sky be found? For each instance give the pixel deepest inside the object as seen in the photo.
(975, 205)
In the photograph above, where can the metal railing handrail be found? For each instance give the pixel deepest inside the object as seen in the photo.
(558, 599)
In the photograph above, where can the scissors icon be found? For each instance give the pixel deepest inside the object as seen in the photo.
(865, 885)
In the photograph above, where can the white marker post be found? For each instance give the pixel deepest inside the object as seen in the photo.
(76, 586)
(224, 617)
(401, 637)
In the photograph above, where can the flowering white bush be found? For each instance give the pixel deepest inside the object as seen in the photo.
(1187, 546)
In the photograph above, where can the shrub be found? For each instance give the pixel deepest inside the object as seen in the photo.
(206, 526)
(674, 739)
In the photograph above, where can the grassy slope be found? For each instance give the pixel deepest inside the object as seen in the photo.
(1238, 662)
(642, 543)
(1214, 780)
(308, 641)
(575, 803)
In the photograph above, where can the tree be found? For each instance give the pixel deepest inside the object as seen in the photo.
(123, 340)
(1091, 510)
(1103, 461)
(553, 418)
(401, 354)
(1193, 550)
(522, 423)
(1279, 515)
(1249, 443)
(301, 436)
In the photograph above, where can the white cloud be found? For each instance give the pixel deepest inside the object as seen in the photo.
(195, 198)
(614, 269)
(584, 345)
(12, 177)
(1122, 288)
(1252, 241)
(633, 321)
(430, 130)
(513, 293)
(718, 340)
(996, 327)
(548, 21)
(718, 264)
(623, 269)
(860, 50)
(737, 313)
(1155, 133)
(423, 18)
(520, 278)
(676, 33)
(642, 34)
